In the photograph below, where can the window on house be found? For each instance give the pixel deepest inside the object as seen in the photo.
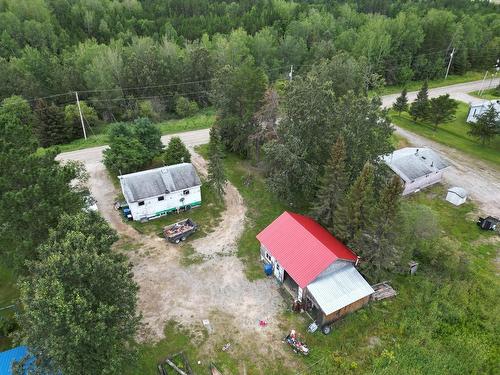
(161, 198)
(185, 192)
(268, 256)
(141, 203)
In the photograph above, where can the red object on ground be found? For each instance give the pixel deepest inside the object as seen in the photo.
(302, 246)
(262, 323)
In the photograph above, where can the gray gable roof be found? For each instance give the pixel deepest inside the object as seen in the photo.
(411, 163)
(159, 181)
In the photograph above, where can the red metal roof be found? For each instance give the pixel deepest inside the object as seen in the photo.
(302, 246)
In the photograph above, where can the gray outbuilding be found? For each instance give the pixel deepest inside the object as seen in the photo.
(417, 167)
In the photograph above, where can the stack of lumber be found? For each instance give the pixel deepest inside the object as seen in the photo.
(382, 291)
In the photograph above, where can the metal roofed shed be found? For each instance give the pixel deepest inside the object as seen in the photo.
(456, 195)
(157, 192)
(417, 167)
(340, 288)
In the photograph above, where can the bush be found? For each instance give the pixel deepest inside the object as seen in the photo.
(185, 107)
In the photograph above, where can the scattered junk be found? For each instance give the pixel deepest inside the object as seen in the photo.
(382, 291)
(317, 269)
(214, 370)
(175, 364)
(226, 347)
(488, 223)
(297, 345)
(263, 323)
(125, 209)
(417, 167)
(413, 267)
(207, 325)
(179, 231)
(313, 327)
(456, 195)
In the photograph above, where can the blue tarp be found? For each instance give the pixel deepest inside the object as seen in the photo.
(8, 357)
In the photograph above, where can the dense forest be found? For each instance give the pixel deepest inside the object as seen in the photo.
(130, 57)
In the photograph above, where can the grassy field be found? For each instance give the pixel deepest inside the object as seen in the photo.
(416, 85)
(490, 94)
(202, 120)
(453, 134)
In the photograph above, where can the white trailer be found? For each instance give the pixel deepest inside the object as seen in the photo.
(157, 192)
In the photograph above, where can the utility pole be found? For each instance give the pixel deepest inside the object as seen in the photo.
(81, 116)
(290, 75)
(482, 84)
(449, 63)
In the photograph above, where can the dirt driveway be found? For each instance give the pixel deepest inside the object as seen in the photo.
(216, 289)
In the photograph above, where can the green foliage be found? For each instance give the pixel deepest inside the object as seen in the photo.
(419, 109)
(51, 125)
(185, 107)
(132, 146)
(441, 109)
(72, 117)
(238, 93)
(34, 189)
(176, 152)
(401, 103)
(487, 125)
(216, 175)
(79, 301)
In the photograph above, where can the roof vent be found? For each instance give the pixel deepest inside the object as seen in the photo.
(416, 152)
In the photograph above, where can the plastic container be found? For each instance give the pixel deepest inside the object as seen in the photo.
(268, 269)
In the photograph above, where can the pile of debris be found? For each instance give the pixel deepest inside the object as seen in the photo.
(178, 228)
(382, 291)
(175, 364)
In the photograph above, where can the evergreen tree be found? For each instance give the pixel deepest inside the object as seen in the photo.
(419, 108)
(79, 301)
(401, 103)
(51, 124)
(176, 152)
(378, 244)
(332, 191)
(441, 109)
(355, 215)
(149, 136)
(216, 175)
(486, 126)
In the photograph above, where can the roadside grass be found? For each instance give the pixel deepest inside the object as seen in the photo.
(438, 318)
(453, 134)
(202, 120)
(490, 94)
(416, 85)
(8, 296)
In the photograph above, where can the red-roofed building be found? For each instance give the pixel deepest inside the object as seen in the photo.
(316, 268)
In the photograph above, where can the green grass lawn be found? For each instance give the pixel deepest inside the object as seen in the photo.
(204, 119)
(453, 134)
(416, 85)
(490, 94)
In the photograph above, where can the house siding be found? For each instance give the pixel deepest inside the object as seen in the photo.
(153, 208)
(422, 182)
(336, 315)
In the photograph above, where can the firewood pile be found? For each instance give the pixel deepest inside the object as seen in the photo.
(382, 291)
(178, 229)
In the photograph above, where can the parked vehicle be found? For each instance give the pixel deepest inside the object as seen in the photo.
(124, 208)
(179, 231)
(488, 223)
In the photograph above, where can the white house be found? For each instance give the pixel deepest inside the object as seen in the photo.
(417, 167)
(456, 195)
(477, 109)
(157, 192)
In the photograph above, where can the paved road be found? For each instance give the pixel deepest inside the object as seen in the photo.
(479, 178)
(458, 92)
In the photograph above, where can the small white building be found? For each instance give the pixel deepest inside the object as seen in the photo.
(417, 167)
(477, 109)
(456, 195)
(157, 192)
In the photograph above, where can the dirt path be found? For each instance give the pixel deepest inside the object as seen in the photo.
(216, 289)
(480, 179)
